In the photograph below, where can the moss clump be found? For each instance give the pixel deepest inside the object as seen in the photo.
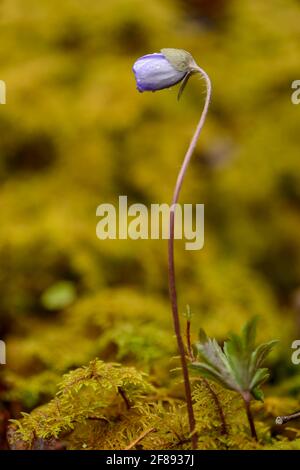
(108, 406)
(89, 393)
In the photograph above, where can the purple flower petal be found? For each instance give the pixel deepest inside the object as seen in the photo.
(154, 72)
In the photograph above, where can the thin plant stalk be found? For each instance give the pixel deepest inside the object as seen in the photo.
(188, 341)
(247, 401)
(285, 419)
(171, 264)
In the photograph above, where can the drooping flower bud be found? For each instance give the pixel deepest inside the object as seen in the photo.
(162, 70)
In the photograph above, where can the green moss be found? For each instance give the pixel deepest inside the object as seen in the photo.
(107, 406)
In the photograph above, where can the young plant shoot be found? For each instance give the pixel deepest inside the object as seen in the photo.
(238, 366)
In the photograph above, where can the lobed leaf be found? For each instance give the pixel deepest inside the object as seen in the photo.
(238, 365)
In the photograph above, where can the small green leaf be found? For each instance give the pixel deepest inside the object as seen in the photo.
(260, 376)
(202, 337)
(258, 394)
(210, 373)
(212, 354)
(260, 353)
(59, 295)
(238, 365)
(249, 334)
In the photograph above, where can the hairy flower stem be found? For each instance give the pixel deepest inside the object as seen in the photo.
(247, 400)
(171, 270)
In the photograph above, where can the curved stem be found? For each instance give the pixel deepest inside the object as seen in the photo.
(171, 270)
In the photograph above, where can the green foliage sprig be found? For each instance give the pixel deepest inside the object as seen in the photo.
(238, 366)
